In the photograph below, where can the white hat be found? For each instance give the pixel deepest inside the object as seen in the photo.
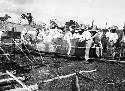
(82, 26)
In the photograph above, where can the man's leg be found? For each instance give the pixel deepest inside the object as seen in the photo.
(68, 53)
(88, 46)
(99, 50)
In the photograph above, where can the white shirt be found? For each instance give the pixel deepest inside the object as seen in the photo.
(68, 36)
(41, 35)
(22, 34)
(112, 36)
(1, 33)
(76, 35)
(100, 34)
(86, 35)
(123, 38)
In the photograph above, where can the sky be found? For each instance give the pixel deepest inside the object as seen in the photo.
(83, 11)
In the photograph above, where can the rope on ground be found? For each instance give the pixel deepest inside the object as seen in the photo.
(23, 52)
(39, 53)
(66, 76)
(5, 53)
(30, 53)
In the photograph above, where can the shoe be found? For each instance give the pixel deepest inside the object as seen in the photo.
(86, 61)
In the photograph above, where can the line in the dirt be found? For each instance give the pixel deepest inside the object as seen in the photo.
(69, 75)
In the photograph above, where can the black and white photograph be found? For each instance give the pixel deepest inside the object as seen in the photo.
(62, 45)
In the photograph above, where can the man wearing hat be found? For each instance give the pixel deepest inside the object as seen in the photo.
(112, 35)
(86, 36)
(112, 39)
(68, 36)
(76, 34)
(123, 37)
(97, 35)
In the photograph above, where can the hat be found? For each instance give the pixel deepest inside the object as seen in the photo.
(94, 27)
(94, 30)
(28, 13)
(114, 27)
(88, 27)
(82, 26)
(77, 29)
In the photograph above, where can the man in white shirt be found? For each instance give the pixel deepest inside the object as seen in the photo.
(112, 39)
(23, 34)
(41, 35)
(86, 36)
(68, 36)
(123, 36)
(76, 35)
(97, 41)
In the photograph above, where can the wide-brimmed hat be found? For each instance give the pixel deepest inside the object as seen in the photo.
(82, 26)
(93, 30)
(77, 29)
(28, 13)
(94, 27)
(88, 27)
(114, 27)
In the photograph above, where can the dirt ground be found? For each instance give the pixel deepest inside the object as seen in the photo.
(109, 76)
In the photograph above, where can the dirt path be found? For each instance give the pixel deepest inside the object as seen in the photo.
(103, 79)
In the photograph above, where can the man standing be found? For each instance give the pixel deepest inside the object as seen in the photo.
(97, 35)
(68, 36)
(112, 40)
(86, 36)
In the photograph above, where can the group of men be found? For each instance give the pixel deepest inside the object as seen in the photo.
(91, 35)
(103, 41)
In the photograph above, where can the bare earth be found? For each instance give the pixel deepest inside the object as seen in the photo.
(109, 76)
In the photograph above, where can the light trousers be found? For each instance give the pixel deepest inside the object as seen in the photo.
(88, 46)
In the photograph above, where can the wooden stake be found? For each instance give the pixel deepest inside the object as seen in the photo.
(77, 83)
